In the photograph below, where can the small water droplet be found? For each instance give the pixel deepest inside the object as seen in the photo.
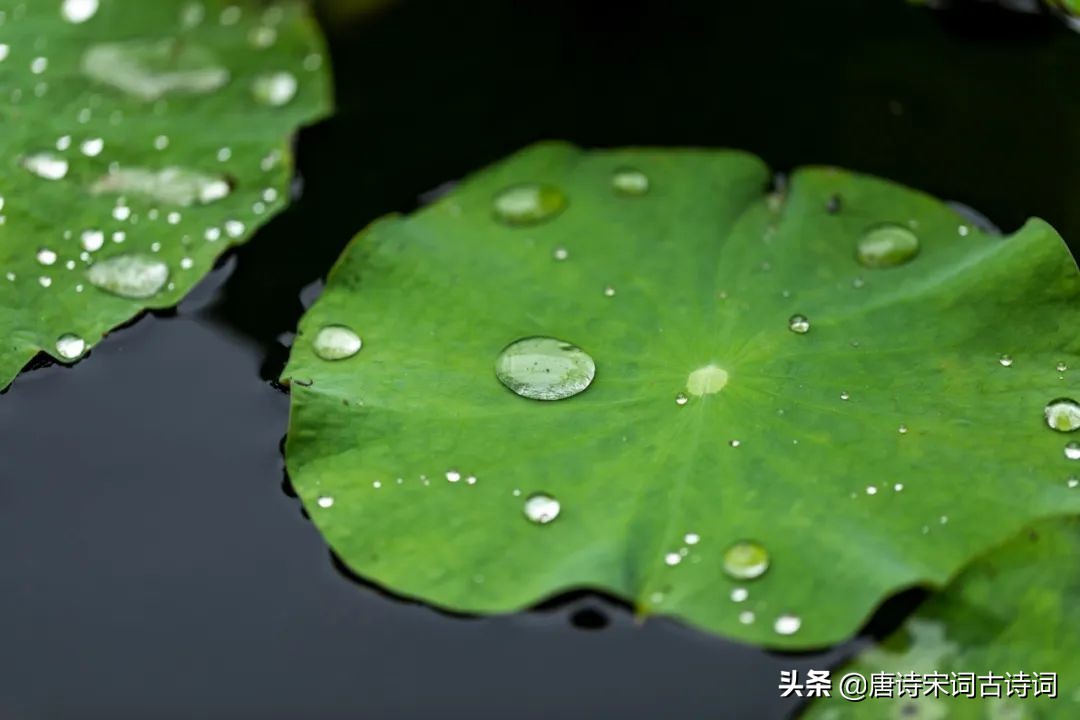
(799, 324)
(1072, 450)
(46, 256)
(78, 11)
(746, 560)
(471, 480)
(681, 399)
(787, 624)
(336, 342)
(691, 538)
(845, 396)
(528, 204)
(70, 346)
(672, 559)
(746, 617)
(898, 487)
(734, 443)
(46, 165)
(325, 501)
(871, 490)
(560, 253)
(629, 181)
(275, 89)
(130, 276)
(92, 147)
(376, 484)
(544, 368)
(541, 508)
(452, 476)
(886, 246)
(1005, 360)
(1061, 367)
(1072, 482)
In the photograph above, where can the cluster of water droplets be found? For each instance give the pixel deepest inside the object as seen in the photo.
(155, 207)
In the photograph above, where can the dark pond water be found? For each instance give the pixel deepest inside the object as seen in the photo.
(151, 565)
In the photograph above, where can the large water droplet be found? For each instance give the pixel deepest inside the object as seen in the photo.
(541, 508)
(150, 69)
(78, 11)
(544, 368)
(799, 324)
(629, 181)
(787, 624)
(706, 380)
(746, 560)
(70, 346)
(528, 204)
(275, 89)
(336, 342)
(887, 246)
(1063, 414)
(171, 185)
(130, 276)
(46, 165)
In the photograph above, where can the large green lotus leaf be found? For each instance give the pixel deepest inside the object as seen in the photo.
(158, 131)
(1016, 611)
(880, 449)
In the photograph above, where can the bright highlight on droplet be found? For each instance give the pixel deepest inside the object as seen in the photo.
(336, 342)
(746, 560)
(541, 508)
(544, 368)
(886, 246)
(528, 204)
(78, 11)
(787, 624)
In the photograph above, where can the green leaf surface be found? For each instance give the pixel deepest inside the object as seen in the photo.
(1016, 611)
(158, 131)
(883, 447)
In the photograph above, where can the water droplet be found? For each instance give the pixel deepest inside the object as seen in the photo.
(78, 11)
(746, 560)
(609, 291)
(150, 69)
(44, 281)
(739, 594)
(1072, 451)
(845, 396)
(799, 324)
(5, 49)
(541, 508)
(92, 147)
(70, 346)
(902, 429)
(746, 617)
(1062, 414)
(787, 624)
(130, 276)
(1072, 482)
(681, 399)
(46, 165)
(528, 204)
(38, 65)
(1005, 360)
(871, 490)
(325, 501)
(92, 240)
(706, 380)
(672, 559)
(275, 89)
(734, 443)
(898, 487)
(171, 185)
(376, 484)
(629, 181)
(46, 256)
(1061, 367)
(560, 253)
(691, 538)
(544, 368)
(886, 246)
(336, 342)
(452, 476)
